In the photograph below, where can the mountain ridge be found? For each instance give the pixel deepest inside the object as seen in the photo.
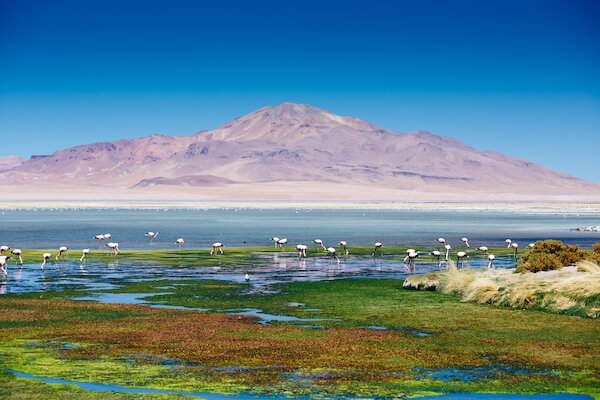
(295, 143)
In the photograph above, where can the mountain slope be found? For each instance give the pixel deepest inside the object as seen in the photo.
(10, 162)
(296, 143)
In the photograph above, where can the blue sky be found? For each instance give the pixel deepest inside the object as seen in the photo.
(520, 77)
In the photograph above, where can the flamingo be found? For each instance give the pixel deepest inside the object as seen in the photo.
(483, 249)
(332, 252)
(531, 245)
(107, 236)
(410, 257)
(61, 251)
(101, 238)
(465, 241)
(437, 254)
(179, 242)
(409, 251)
(3, 260)
(216, 247)
(459, 257)
(441, 240)
(320, 243)
(378, 245)
(275, 239)
(46, 259)
(301, 249)
(247, 278)
(282, 242)
(344, 246)
(516, 247)
(84, 253)
(4, 249)
(151, 235)
(491, 259)
(114, 247)
(508, 243)
(447, 247)
(17, 252)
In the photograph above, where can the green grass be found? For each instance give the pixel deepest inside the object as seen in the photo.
(233, 256)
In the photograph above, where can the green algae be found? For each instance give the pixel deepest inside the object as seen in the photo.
(50, 359)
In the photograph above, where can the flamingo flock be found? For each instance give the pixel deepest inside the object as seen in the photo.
(301, 250)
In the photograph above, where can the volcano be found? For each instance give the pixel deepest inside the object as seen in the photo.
(294, 151)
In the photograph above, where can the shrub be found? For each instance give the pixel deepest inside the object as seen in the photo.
(594, 255)
(548, 255)
(536, 262)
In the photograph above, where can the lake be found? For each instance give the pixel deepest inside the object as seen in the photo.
(76, 228)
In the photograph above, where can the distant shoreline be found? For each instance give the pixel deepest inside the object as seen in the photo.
(525, 207)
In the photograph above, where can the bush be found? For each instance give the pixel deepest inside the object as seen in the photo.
(548, 255)
(594, 255)
(536, 262)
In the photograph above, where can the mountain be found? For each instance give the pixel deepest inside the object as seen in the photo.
(296, 151)
(10, 162)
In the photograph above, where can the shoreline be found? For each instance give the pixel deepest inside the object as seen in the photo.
(519, 207)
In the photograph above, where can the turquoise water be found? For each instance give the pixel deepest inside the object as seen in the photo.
(49, 228)
(496, 396)
(101, 387)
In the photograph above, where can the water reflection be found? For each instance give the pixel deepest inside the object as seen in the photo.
(269, 270)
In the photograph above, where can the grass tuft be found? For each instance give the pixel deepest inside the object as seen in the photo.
(570, 290)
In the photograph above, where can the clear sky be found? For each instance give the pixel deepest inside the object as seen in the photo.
(520, 77)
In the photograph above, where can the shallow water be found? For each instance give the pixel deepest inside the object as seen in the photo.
(76, 228)
(266, 318)
(272, 268)
(496, 396)
(99, 387)
(470, 374)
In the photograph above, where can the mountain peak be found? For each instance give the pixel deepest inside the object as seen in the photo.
(286, 121)
(295, 108)
(298, 112)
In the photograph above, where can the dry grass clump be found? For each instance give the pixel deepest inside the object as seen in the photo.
(588, 266)
(571, 290)
(422, 282)
(453, 280)
(481, 290)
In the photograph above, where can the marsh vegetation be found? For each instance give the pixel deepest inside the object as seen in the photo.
(346, 337)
